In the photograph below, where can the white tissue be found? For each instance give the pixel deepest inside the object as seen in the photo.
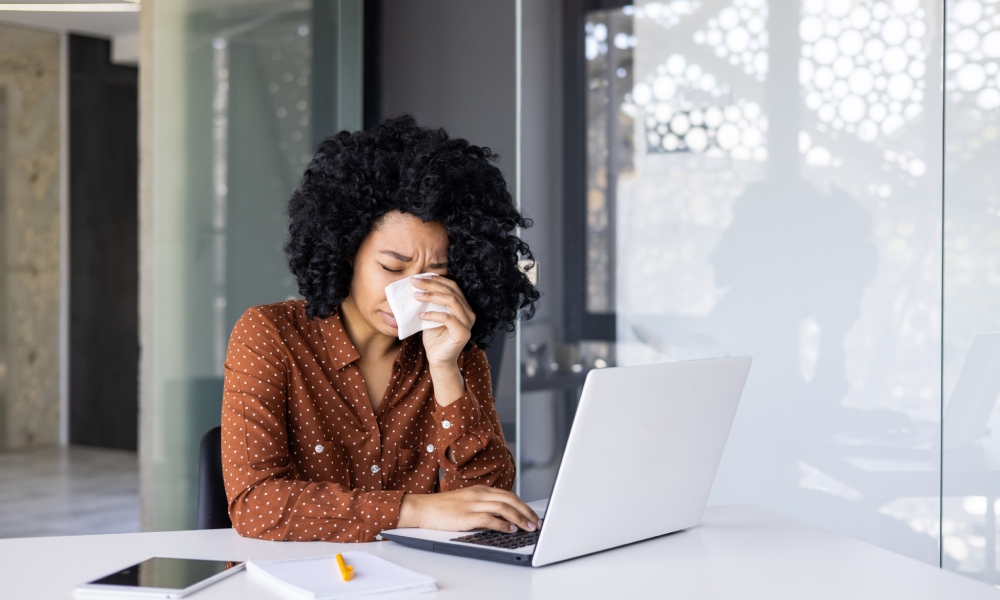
(406, 309)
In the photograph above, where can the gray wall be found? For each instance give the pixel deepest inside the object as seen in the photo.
(451, 64)
(29, 300)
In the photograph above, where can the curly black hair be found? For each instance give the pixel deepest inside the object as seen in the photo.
(357, 177)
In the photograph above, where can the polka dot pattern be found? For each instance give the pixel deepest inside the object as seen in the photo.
(305, 457)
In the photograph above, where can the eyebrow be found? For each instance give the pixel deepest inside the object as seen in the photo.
(407, 259)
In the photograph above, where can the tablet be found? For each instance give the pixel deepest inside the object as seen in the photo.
(161, 578)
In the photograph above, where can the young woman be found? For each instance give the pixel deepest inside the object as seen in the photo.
(334, 429)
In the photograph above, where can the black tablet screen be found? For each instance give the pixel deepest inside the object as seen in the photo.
(167, 573)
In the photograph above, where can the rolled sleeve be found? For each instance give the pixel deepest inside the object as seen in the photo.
(463, 428)
(470, 428)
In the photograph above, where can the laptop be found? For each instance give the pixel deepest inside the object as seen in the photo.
(639, 463)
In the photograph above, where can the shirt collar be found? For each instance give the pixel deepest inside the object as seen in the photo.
(339, 346)
(342, 351)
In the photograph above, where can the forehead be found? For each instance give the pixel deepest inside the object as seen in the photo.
(406, 233)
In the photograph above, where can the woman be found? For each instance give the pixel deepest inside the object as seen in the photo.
(334, 429)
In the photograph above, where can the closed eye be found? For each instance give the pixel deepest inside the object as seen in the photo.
(391, 270)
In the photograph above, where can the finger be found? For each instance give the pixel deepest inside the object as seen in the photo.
(456, 306)
(515, 502)
(506, 511)
(485, 493)
(467, 319)
(453, 325)
(442, 284)
(488, 521)
(491, 510)
(512, 499)
(435, 281)
(442, 317)
(447, 286)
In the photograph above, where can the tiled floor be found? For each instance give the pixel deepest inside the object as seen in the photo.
(68, 491)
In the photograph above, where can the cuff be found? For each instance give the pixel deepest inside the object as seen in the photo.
(382, 512)
(462, 428)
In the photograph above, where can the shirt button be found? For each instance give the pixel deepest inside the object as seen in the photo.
(446, 424)
(430, 447)
(375, 469)
(318, 448)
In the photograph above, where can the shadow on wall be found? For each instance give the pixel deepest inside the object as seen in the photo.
(797, 263)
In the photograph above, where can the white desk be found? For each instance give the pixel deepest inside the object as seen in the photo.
(738, 552)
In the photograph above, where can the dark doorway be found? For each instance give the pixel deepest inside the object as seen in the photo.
(103, 247)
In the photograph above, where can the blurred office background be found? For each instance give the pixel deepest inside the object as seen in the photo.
(809, 182)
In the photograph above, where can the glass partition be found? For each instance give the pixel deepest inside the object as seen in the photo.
(235, 94)
(971, 351)
(761, 179)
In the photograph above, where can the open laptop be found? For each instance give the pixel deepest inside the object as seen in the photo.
(639, 463)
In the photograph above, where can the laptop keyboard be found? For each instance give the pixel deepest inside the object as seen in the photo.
(498, 539)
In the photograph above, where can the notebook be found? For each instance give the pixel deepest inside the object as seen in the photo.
(319, 577)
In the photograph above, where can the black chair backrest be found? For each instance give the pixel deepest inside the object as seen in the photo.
(213, 507)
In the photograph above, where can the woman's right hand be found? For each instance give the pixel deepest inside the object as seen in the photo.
(468, 508)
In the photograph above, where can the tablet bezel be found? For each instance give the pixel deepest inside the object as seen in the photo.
(90, 588)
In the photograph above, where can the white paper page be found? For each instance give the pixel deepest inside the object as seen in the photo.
(319, 577)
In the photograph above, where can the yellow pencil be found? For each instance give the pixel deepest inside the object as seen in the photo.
(346, 571)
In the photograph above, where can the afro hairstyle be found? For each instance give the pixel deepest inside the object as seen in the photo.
(357, 177)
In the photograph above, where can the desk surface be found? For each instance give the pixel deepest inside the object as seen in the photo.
(737, 552)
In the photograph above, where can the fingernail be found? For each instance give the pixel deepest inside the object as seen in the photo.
(419, 293)
(513, 528)
(531, 526)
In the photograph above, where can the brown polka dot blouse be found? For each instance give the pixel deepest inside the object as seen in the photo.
(304, 455)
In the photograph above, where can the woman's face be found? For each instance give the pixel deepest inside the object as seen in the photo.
(401, 245)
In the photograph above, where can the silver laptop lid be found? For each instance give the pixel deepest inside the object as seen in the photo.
(642, 454)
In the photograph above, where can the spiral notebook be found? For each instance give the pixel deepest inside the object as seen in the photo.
(319, 577)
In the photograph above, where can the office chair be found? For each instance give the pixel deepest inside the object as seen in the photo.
(213, 508)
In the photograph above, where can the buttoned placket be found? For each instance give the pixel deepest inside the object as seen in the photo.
(378, 469)
(374, 475)
(371, 472)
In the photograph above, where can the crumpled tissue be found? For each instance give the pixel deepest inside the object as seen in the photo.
(406, 309)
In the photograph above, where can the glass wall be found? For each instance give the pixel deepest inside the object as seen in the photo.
(971, 367)
(228, 124)
(764, 178)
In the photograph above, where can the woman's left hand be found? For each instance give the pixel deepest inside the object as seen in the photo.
(444, 344)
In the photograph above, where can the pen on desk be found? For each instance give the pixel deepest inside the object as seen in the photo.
(346, 571)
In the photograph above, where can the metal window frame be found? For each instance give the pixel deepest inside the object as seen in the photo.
(579, 323)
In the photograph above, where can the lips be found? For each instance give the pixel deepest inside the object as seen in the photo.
(389, 319)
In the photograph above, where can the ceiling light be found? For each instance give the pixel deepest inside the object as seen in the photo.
(96, 7)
